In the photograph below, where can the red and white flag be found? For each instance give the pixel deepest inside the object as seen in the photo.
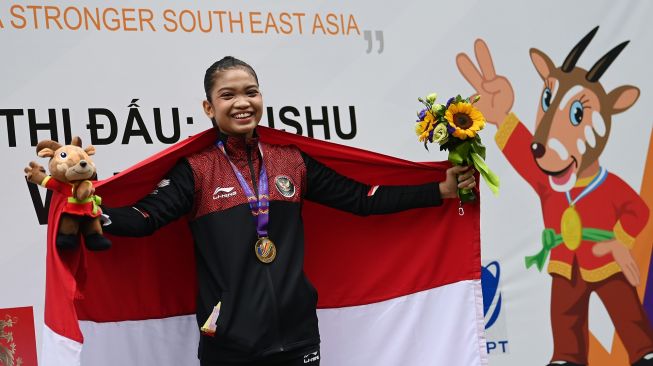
(396, 289)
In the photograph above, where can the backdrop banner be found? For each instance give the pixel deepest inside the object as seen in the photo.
(562, 85)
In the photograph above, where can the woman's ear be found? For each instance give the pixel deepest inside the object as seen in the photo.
(208, 109)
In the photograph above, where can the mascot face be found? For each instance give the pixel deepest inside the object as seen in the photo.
(69, 163)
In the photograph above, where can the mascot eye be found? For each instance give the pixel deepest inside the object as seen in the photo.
(546, 99)
(576, 113)
(63, 155)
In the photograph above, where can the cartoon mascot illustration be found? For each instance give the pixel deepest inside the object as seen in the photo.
(591, 216)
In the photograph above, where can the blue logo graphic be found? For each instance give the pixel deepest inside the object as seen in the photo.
(491, 296)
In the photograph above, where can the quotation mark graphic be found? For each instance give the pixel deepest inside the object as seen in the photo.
(368, 37)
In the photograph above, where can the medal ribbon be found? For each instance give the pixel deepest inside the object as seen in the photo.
(594, 184)
(259, 206)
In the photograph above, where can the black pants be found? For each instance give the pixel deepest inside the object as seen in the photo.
(308, 358)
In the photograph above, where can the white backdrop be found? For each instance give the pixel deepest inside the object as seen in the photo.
(412, 54)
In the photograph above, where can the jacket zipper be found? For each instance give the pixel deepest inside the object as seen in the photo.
(275, 305)
(275, 310)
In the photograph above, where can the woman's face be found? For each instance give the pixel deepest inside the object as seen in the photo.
(236, 103)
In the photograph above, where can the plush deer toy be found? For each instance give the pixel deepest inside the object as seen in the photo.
(591, 216)
(71, 169)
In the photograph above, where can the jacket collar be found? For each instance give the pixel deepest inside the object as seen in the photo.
(239, 146)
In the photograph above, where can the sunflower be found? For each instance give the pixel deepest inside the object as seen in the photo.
(465, 119)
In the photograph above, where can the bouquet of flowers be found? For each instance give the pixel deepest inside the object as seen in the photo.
(454, 126)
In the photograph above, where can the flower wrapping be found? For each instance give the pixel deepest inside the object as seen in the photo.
(455, 126)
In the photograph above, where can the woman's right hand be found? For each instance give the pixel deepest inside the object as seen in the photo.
(496, 93)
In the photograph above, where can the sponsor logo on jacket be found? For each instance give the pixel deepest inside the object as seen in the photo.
(311, 357)
(224, 192)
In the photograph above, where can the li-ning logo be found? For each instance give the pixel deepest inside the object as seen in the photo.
(224, 192)
(161, 184)
(314, 356)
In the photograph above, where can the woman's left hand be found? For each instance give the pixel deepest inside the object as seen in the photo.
(457, 177)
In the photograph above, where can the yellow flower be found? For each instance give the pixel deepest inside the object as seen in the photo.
(429, 117)
(425, 126)
(425, 134)
(420, 127)
(466, 119)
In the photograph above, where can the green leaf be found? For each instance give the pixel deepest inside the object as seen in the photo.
(491, 179)
(459, 155)
(478, 147)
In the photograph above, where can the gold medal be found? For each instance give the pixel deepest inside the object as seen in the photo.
(265, 250)
(571, 228)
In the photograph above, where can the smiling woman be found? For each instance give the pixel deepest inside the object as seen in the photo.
(236, 106)
(243, 199)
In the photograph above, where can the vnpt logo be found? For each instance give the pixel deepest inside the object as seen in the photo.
(490, 276)
(496, 334)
